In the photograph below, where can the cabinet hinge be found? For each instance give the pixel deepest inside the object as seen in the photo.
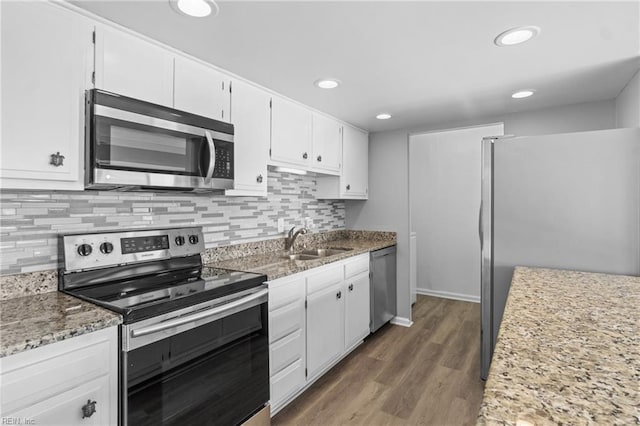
(93, 37)
(270, 103)
(222, 113)
(230, 86)
(305, 373)
(93, 77)
(305, 304)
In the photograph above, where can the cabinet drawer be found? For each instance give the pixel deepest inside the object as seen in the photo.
(356, 266)
(65, 409)
(287, 382)
(24, 385)
(286, 350)
(326, 278)
(285, 291)
(285, 320)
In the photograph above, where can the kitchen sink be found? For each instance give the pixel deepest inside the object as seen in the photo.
(324, 252)
(299, 256)
(313, 254)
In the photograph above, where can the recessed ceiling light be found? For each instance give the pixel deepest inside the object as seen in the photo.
(383, 116)
(522, 94)
(327, 83)
(195, 8)
(516, 35)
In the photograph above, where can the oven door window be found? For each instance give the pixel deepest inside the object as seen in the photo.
(217, 373)
(130, 146)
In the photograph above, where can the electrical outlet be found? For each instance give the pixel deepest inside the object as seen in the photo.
(281, 224)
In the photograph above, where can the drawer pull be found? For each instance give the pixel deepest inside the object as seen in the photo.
(89, 408)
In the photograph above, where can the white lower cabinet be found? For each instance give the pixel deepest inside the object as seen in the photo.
(57, 384)
(325, 319)
(286, 338)
(357, 309)
(316, 318)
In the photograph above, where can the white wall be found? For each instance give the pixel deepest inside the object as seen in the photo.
(445, 187)
(628, 104)
(388, 206)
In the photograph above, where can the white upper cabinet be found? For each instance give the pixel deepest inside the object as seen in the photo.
(355, 157)
(200, 89)
(47, 59)
(290, 134)
(130, 66)
(327, 145)
(353, 183)
(251, 116)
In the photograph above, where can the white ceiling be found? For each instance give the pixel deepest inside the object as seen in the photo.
(424, 62)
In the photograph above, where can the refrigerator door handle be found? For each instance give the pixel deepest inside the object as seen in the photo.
(480, 225)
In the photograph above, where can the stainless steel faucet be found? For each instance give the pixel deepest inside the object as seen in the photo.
(291, 238)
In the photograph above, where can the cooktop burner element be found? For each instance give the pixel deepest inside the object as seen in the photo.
(145, 273)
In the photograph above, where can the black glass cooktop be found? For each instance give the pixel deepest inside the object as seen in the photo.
(150, 295)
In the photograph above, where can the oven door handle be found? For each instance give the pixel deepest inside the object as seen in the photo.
(212, 157)
(201, 315)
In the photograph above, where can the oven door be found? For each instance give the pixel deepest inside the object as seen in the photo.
(207, 364)
(129, 148)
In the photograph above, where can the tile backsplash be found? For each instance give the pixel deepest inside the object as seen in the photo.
(31, 221)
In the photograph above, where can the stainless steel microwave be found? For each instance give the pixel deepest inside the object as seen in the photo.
(137, 145)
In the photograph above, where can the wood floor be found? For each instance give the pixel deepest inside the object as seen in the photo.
(428, 374)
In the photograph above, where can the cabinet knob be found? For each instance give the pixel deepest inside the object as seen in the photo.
(305, 156)
(57, 159)
(319, 158)
(348, 187)
(259, 179)
(89, 408)
(350, 287)
(339, 295)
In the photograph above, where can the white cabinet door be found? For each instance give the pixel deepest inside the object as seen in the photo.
(355, 169)
(325, 328)
(65, 409)
(251, 118)
(290, 134)
(357, 309)
(327, 145)
(130, 66)
(51, 384)
(201, 90)
(47, 56)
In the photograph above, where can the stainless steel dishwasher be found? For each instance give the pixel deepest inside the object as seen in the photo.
(383, 287)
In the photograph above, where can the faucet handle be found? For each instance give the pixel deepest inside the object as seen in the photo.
(291, 231)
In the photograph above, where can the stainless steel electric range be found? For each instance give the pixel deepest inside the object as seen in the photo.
(194, 340)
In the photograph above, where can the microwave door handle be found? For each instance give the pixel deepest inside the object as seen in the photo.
(212, 158)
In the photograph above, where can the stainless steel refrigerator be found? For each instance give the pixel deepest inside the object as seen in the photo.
(565, 201)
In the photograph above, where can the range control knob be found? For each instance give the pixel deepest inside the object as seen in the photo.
(193, 239)
(180, 240)
(106, 247)
(84, 249)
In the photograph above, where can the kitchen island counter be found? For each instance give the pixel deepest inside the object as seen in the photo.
(568, 351)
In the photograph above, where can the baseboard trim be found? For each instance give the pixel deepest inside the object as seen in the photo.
(404, 322)
(448, 295)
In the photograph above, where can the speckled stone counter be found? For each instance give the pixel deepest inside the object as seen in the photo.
(268, 260)
(37, 320)
(568, 351)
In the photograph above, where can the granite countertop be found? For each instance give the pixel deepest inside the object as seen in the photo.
(37, 320)
(568, 351)
(273, 266)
